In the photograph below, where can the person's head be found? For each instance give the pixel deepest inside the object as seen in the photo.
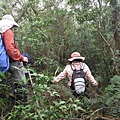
(7, 22)
(76, 57)
(9, 18)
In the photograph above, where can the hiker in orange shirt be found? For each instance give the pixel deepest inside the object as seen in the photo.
(7, 24)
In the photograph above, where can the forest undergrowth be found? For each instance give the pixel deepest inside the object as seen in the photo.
(47, 101)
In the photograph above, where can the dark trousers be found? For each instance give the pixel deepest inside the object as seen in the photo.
(17, 72)
(17, 79)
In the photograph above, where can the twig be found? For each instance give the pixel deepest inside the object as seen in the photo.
(56, 70)
(94, 112)
(37, 104)
(112, 52)
(105, 118)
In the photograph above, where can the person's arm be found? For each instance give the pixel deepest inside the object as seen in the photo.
(61, 76)
(11, 48)
(89, 76)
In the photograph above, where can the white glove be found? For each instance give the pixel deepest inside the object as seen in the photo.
(53, 81)
(95, 83)
(25, 59)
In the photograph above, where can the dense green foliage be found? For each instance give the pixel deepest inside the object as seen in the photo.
(49, 34)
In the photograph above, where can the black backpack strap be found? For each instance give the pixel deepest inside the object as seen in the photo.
(72, 67)
(82, 67)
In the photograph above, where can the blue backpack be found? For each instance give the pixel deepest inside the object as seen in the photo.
(4, 58)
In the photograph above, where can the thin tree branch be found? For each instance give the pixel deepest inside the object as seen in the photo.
(112, 52)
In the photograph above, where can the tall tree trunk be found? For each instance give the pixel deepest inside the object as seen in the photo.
(116, 21)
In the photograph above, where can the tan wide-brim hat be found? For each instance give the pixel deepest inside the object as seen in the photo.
(76, 55)
(7, 22)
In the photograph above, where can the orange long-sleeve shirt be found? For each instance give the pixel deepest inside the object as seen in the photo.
(11, 47)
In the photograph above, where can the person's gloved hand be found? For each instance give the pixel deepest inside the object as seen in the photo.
(53, 81)
(25, 59)
(95, 83)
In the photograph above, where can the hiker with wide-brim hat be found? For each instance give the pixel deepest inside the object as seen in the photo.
(76, 61)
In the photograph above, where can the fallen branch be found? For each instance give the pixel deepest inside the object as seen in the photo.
(105, 118)
(94, 112)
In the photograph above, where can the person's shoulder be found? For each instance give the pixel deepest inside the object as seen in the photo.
(85, 66)
(68, 66)
(8, 32)
(83, 63)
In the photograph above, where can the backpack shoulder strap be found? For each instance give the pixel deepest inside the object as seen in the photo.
(72, 67)
(82, 67)
(1, 38)
(1, 41)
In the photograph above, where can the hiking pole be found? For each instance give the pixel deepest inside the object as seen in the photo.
(37, 104)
